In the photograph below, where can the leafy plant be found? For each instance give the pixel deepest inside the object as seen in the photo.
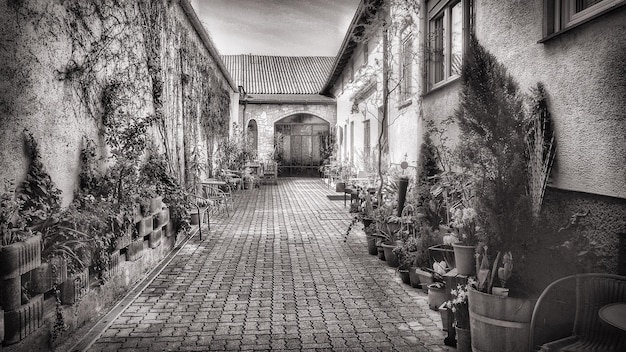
(12, 226)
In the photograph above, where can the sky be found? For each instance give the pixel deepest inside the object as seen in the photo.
(276, 27)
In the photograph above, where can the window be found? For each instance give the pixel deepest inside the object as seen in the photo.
(351, 141)
(366, 53)
(366, 139)
(445, 40)
(561, 15)
(406, 62)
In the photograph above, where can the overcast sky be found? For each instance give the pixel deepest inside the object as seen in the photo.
(276, 27)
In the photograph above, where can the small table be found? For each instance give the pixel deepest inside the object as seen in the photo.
(614, 314)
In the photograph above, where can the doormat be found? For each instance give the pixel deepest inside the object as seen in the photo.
(338, 197)
(333, 215)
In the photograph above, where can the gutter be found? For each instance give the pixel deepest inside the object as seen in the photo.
(206, 40)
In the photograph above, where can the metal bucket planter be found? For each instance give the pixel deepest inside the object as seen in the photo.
(436, 295)
(499, 323)
(464, 259)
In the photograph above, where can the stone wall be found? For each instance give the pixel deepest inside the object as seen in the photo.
(266, 115)
(64, 62)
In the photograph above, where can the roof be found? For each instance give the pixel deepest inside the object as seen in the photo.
(365, 12)
(289, 99)
(260, 74)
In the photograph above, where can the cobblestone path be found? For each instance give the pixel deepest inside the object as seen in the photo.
(277, 275)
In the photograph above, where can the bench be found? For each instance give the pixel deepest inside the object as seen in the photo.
(566, 317)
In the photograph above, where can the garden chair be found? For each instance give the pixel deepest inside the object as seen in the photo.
(566, 315)
(270, 173)
(200, 205)
(219, 198)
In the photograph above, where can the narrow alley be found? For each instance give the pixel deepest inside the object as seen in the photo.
(277, 275)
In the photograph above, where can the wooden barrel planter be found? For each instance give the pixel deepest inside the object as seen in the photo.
(499, 323)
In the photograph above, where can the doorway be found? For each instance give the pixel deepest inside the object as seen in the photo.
(300, 140)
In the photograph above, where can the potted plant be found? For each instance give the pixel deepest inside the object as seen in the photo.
(493, 151)
(460, 310)
(464, 238)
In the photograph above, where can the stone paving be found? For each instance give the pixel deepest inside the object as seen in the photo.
(277, 275)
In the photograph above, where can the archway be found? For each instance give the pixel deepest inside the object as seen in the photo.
(301, 141)
(252, 135)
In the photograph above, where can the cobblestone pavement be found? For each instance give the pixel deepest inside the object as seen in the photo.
(277, 275)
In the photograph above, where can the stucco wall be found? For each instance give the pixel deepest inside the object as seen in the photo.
(58, 57)
(584, 75)
(266, 115)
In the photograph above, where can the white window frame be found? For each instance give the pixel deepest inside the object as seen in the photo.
(561, 15)
(405, 72)
(444, 8)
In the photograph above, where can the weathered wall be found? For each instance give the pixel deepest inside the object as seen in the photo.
(584, 75)
(60, 58)
(266, 115)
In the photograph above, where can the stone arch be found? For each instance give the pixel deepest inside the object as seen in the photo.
(301, 111)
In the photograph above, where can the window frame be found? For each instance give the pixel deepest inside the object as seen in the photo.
(405, 72)
(560, 15)
(441, 10)
(367, 142)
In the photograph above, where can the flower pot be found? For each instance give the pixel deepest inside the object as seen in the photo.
(464, 259)
(499, 323)
(463, 340)
(20, 257)
(340, 187)
(414, 278)
(404, 275)
(441, 252)
(381, 252)
(75, 287)
(23, 321)
(371, 245)
(135, 250)
(436, 296)
(123, 241)
(154, 239)
(390, 256)
(48, 274)
(156, 204)
(445, 315)
(426, 278)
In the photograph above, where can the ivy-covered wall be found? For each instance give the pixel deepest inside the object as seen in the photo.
(84, 68)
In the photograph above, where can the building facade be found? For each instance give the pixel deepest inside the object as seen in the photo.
(281, 113)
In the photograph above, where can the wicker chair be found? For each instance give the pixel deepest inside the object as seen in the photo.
(566, 318)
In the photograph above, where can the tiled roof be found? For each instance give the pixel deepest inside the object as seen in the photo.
(260, 74)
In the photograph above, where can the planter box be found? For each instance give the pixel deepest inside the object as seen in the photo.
(23, 321)
(154, 239)
(114, 263)
(135, 250)
(48, 274)
(144, 226)
(75, 287)
(19, 258)
(439, 253)
(168, 230)
(156, 204)
(161, 218)
(123, 241)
